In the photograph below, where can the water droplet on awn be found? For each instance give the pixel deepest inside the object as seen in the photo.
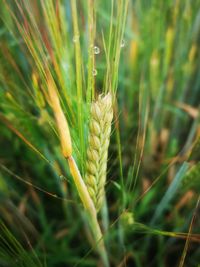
(75, 38)
(94, 72)
(122, 43)
(96, 50)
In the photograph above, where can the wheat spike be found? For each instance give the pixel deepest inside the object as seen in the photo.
(63, 128)
(97, 152)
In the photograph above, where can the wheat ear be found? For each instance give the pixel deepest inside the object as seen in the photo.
(97, 153)
(66, 145)
(61, 122)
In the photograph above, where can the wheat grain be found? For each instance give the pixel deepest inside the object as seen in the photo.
(97, 152)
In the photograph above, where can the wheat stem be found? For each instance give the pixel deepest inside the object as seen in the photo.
(90, 208)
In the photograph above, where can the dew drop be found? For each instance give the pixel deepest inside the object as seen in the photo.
(65, 66)
(75, 38)
(122, 43)
(96, 50)
(94, 72)
(61, 176)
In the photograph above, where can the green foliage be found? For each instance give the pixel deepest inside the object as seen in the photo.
(13, 254)
(191, 178)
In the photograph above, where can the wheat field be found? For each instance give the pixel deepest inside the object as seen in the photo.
(99, 133)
